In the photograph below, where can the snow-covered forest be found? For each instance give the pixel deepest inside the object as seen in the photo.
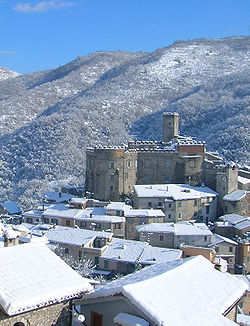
(48, 118)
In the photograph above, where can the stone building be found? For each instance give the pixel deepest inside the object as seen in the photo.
(37, 287)
(111, 172)
(184, 292)
(178, 201)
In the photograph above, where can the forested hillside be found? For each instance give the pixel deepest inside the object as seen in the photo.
(48, 118)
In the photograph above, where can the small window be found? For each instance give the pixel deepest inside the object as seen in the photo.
(179, 204)
(83, 224)
(192, 164)
(96, 261)
(161, 238)
(118, 213)
(106, 264)
(54, 221)
(98, 225)
(226, 209)
(46, 220)
(230, 249)
(207, 209)
(216, 249)
(111, 188)
(111, 176)
(80, 255)
(67, 222)
(117, 226)
(29, 220)
(126, 176)
(205, 238)
(168, 164)
(195, 202)
(66, 251)
(169, 205)
(169, 215)
(129, 164)
(149, 204)
(111, 164)
(179, 215)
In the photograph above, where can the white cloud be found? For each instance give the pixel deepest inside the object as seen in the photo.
(42, 6)
(8, 52)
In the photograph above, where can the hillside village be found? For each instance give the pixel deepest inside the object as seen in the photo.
(157, 222)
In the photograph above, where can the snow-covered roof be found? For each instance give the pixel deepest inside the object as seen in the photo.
(76, 200)
(124, 319)
(74, 237)
(32, 276)
(57, 197)
(152, 255)
(243, 225)
(144, 213)
(117, 206)
(74, 213)
(11, 207)
(134, 251)
(236, 195)
(183, 292)
(174, 191)
(10, 234)
(124, 250)
(33, 213)
(181, 228)
(243, 180)
(217, 238)
(233, 218)
(102, 218)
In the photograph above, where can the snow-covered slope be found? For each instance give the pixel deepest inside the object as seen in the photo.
(48, 118)
(7, 73)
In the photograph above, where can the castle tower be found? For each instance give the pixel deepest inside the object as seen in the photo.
(170, 126)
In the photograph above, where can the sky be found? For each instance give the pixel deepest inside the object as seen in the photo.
(40, 35)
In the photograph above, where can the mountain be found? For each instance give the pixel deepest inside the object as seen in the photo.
(7, 73)
(48, 118)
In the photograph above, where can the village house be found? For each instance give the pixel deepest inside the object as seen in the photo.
(125, 256)
(115, 217)
(9, 208)
(56, 197)
(135, 217)
(243, 254)
(172, 235)
(237, 228)
(183, 292)
(178, 201)
(37, 287)
(232, 225)
(109, 255)
(226, 249)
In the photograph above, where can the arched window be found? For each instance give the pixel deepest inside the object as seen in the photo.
(19, 324)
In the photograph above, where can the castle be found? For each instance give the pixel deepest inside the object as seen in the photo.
(112, 172)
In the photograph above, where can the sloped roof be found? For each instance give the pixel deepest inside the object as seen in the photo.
(144, 213)
(236, 195)
(11, 207)
(217, 238)
(184, 292)
(174, 191)
(32, 276)
(72, 236)
(181, 228)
